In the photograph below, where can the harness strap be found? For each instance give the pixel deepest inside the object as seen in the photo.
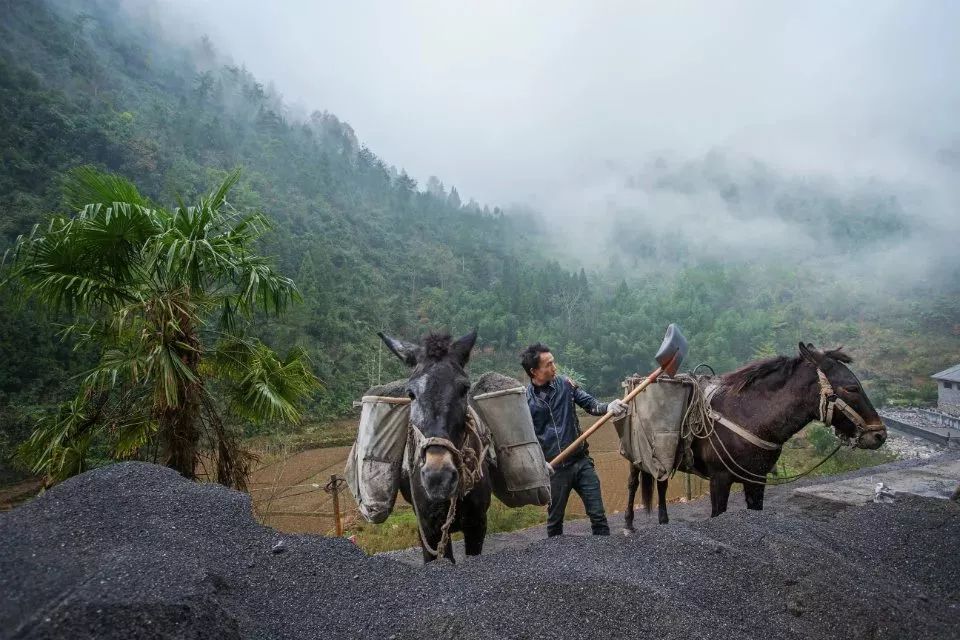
(715, 417)
(829, 402)
(468, 460)
(743, 433)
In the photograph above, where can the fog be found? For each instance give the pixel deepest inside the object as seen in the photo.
(565, 107)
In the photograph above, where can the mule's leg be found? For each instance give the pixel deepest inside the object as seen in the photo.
(633, 483)
(646, 490)
(720, 484)
(754, 495)
(448, 552)
(474, 520)
(662, 517)
(473, 536)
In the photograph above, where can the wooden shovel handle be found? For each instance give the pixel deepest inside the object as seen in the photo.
(602, 421)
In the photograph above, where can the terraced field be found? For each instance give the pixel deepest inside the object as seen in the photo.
(288, 493)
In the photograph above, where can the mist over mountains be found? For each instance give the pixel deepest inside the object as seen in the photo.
(512, 222)
(662, 135)
(727, 207)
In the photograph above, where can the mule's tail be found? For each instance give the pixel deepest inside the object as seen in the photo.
(646, 490)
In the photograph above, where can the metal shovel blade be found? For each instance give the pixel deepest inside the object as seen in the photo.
(672, 351)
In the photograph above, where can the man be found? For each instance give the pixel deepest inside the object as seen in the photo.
(551, 399)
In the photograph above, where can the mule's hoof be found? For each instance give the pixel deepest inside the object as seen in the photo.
(629, 531)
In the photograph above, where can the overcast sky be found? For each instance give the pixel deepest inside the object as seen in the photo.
(522, 101)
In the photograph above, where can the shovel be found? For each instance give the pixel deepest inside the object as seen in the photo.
(671, 354)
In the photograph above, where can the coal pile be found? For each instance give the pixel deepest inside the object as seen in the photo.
(133, 550)
(493, 381)
(395, 389)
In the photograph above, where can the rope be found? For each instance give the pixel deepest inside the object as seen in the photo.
(763, 479)
(696, 419)
(698, 422)
(469, 462)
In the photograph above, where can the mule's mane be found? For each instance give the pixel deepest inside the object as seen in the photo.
(839, 355)
(436, 346)
(781, 366)
(750, 373)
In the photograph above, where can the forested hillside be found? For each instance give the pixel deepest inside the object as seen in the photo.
(371, 249)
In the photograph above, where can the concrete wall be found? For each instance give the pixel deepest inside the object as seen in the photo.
(948, 400)
(927, 434)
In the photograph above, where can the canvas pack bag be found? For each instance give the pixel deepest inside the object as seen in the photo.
(650, 433)
(518, 475)
(376, 459)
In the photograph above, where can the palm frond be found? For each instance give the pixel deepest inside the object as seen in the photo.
(131, 366)
(131, 434)
(264, 387)
(87, 185)
(59, 447)
(83, 263)
(261, 287)
(219, 197)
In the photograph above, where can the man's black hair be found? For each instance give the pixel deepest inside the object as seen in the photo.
(530, 357)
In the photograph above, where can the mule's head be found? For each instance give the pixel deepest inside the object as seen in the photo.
(847, 388)
(438, 387)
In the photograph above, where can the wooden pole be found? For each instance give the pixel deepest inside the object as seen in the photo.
(336, 503)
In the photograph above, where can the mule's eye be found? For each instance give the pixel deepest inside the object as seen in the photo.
(411, 396)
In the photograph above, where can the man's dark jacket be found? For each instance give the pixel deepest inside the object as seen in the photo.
(555, 416)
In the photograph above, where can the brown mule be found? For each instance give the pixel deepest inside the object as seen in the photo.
(772, 400)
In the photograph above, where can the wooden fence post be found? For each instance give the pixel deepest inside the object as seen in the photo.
(334, 487)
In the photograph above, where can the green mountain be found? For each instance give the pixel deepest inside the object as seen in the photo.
(84, 83)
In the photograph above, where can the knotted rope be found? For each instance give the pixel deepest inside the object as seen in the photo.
(468, 460)
(699, 421)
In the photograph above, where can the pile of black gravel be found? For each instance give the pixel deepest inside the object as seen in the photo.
(493, 381)
(395, 389)
(133, 550)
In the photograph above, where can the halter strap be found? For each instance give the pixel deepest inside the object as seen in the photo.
(830, 401)
(469, 462)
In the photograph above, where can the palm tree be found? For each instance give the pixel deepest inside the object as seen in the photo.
(167, 296)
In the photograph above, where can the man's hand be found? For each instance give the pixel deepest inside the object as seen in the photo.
(617, 408)
(548, 468)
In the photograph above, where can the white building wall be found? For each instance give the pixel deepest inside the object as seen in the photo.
(948, 400)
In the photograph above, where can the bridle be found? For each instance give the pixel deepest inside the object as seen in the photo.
(700, 422)
(468, 459)
(830, 402)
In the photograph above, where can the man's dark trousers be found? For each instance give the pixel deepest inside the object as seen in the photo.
(579, 476)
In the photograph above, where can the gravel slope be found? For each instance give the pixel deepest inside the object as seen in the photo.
(133, 550)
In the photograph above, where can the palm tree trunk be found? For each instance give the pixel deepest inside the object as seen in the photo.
(179, 430)
(180, 425)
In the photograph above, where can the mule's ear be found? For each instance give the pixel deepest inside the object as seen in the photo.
(460, 350)
(406, 351)
(810, 354)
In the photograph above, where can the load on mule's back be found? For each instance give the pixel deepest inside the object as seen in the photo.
(421, 436)
(738, 423)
